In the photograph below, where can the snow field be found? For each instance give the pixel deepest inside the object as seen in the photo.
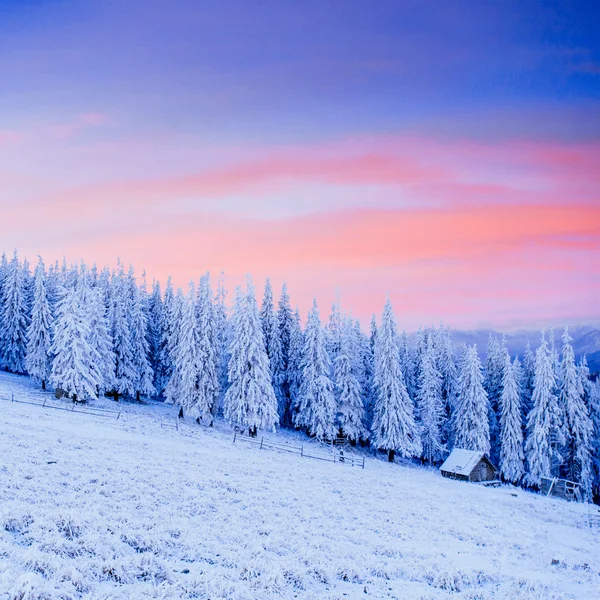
(104, 509)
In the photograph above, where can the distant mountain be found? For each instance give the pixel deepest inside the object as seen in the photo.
(586, 340)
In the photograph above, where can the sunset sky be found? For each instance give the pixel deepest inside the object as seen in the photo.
(444, 153)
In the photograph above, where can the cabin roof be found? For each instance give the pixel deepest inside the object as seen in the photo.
(462, 462)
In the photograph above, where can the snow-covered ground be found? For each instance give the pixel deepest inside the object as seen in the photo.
(102, 508)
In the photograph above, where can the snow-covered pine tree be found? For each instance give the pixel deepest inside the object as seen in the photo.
(316, 408)
(528, 377)
(74, 370)
(538, 448)
(154, 334)
(250, 400)
(285, 327)
(143, 381)
(182, 388)
(394, 428)
(294, 367)
(511, 427)
(430, 406)
(125, 373)
(208, 379)
(348, 394)
(447, 366)
(100, 339)
(223, 340)
(334, 331)
(579, 427)
(39, 335)
(168, 340)
(471, 420)
(492, 383)
(407, 366)
(270, 330)
(14, 318)
(594, 408)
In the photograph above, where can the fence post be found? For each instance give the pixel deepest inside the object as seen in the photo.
(120, 415)
(302, 450)
(261, 442)
(363, 465)
(12, 396)
(234, 436)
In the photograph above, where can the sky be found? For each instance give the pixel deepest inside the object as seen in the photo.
(444, 154)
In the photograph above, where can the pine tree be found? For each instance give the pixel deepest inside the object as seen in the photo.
(14, 319)
(171, 307)
(250, 400)
(140, 347)
(528, 378)
(182, 388)
(446, 361)
(538, 443)
(350, 409)
(100, 339)
(39, 343)
(222, 333)
(285, 327)
(579, 427)
(511, 426)
(430, 406)
(208, 379)
(594, 409)
(73, 368)
(154, 335)
(125, 374)
(394, 428)
(407, 366)
(273, 346)
(492, 383)
(471, 421)
(334, 331)
(294, 367)
(316, 408)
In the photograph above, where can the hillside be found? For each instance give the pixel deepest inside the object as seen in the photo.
(96, 508)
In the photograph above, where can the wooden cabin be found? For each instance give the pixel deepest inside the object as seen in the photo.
(561, 488)
(469, 465)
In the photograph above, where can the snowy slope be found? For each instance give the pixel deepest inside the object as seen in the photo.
(100, 508)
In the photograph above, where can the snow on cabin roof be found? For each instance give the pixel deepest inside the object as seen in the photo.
(462, 462)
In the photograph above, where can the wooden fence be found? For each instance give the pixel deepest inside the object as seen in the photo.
(336, 456)
(76, 407)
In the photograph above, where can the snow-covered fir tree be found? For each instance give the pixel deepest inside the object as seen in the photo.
(155, 316)
(348, 393)
(578, 425)
(74, 370)
(538, 443)
(270, 329)
(144, 377)
(316, 407)
(250, 400)
(100, 339)
(407, 366)
(208, 378)
(222, 333)
(512, 456)
(528, 378)
(594, 408)
(168, 341)
(430, 406)
(285, 325)
(446, 363)
(125, 372)
(294, 366)
(492, 383)
(471, 420)
(39, 335)
(334, 331)
(182, 388)
(14, 319)
(394, 427)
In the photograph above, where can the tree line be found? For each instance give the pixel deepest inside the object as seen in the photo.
(90, 332)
